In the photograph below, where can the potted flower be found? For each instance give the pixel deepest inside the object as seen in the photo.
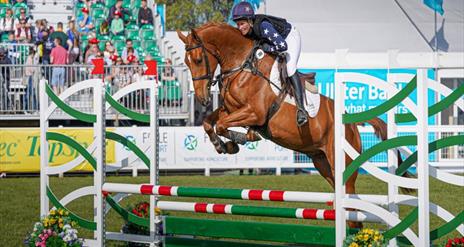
(364, 238)
(56, 229)
(141, 209)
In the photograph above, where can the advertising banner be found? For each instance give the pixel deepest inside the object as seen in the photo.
(20, 149)
(194, 149)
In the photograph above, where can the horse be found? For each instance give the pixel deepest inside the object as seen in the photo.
(250, 102)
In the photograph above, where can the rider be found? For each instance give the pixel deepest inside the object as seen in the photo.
(278, 36)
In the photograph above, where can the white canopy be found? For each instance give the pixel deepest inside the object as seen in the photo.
(372, 25)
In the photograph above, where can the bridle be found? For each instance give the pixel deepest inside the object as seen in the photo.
(209, 74)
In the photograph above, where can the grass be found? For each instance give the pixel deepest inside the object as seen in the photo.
(19, 205)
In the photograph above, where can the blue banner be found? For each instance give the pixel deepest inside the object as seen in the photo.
(361, 97)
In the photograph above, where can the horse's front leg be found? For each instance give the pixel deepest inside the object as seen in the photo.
(208, 126)
(243, 117)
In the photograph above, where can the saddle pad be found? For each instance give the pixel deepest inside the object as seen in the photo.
(314, 99)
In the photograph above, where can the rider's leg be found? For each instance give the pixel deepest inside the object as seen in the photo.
(301, 115)
(293, 53)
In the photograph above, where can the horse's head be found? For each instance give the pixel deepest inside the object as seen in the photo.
(202, 60)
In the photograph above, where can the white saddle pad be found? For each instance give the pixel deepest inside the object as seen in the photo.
(314, 99)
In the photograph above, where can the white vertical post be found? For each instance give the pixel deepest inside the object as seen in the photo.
(392, 160)
(154, 166)
(278, 171)
(100, 152)
(340, 215)
(423, 158)
(44, 202)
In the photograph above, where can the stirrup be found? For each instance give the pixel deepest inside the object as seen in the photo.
(301, 117)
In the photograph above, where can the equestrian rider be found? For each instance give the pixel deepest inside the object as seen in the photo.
(278, 36)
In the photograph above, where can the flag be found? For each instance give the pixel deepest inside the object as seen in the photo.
(436, 5)
(151, 67)
(98, 68)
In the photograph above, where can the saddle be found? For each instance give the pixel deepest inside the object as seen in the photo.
(308, 80)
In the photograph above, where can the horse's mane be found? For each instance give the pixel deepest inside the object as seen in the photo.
(221, 25)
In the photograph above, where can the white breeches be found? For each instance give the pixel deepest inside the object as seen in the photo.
(293, 50)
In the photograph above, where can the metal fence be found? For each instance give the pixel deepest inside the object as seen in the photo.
(19, 85)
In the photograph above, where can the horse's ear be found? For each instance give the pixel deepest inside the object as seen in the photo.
(182, 36)
(194, 34)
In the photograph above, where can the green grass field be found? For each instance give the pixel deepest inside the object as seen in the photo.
(19, 206)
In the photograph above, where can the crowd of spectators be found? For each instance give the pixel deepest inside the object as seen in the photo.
(41, 35)
(76, 43)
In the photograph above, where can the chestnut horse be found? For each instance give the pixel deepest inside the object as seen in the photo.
(248, 97)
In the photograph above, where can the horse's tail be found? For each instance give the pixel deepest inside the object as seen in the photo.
(380, 130)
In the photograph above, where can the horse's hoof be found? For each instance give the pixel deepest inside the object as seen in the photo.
(232, 147)
(221, 148)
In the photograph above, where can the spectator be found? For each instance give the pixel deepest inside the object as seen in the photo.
(37, 31)
(74, 52)
(58, 33)
(58, 56)
(30, 79)
(5, 75)
(91, 53)
(117, 24)
(23, 16)
(46, 27)
(84, 22)
(45, 48)
(145, 14)
(130, 56)
(129, 44)
(11, 38)
(110, 76)
(72, 34)
(12, 48)
(104, 28)
(117, 7)
(168, 72)
(8, 22)
(108, 52)
(23, 33)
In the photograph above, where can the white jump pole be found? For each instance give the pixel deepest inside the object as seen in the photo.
(423, 158)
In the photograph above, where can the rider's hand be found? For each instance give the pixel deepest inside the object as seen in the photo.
(267, 48)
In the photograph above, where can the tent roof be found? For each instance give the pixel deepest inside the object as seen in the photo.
(372, 25)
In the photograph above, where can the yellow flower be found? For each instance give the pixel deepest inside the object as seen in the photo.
(52, 221)
(60, 211)
(60, 220)
(366, 237)
(60, 225)
(53, 212)
(353, 245)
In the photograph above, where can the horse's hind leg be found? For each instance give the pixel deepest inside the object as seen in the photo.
(323, 167)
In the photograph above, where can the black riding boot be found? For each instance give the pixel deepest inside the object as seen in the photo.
(301, 114)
